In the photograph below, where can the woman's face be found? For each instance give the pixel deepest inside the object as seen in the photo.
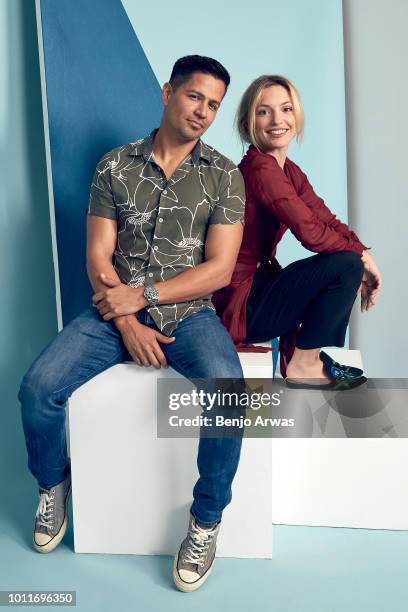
(274, 120)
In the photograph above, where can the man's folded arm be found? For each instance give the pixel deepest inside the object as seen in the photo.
(101, 243)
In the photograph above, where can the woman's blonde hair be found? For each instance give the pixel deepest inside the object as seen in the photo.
(245, 118)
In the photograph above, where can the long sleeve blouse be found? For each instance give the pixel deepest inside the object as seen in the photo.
(277, 199)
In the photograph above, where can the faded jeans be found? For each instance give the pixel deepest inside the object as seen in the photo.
(89, 345)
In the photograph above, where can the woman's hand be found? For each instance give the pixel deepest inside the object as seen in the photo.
(371, 284)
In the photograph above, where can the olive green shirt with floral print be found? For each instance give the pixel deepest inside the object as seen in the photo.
(162, 224)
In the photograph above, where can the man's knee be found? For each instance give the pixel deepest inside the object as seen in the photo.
(231, 371)
(35, 386)
(224, 367)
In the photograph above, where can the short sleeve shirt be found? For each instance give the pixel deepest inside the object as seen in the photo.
(162, 224)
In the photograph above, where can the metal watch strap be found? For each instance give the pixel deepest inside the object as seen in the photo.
(151, 294)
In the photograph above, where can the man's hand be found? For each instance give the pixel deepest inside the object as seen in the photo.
(118, 299)
(371, 284)
(142, 342)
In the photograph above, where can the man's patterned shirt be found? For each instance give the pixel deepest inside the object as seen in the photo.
(162, 224)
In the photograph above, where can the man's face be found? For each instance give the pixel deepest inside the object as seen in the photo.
(192, 107)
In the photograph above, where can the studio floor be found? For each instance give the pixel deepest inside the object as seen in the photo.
(316, 569)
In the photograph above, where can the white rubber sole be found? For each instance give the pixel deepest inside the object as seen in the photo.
(47, 548)
(187, 587)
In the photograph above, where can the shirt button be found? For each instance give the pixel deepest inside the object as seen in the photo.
(160, 220)
(150, 274)
(165, 192)
(155, 248)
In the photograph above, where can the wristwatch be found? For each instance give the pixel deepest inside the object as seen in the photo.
(151, 294)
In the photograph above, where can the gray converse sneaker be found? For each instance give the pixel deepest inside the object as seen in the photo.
(193, 562)
(51, 516)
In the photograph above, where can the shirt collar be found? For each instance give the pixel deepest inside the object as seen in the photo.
(144, 148)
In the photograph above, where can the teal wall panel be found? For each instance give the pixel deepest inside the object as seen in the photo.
(101, 93)
(28, 318)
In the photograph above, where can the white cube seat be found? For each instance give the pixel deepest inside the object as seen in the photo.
(132, 490)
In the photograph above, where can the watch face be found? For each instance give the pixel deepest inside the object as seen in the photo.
(151, 294)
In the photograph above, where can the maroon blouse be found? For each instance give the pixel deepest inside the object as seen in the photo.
(276, 199)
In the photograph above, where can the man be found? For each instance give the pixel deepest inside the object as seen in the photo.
(164, 229)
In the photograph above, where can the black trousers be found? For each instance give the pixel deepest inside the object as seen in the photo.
(318, 292)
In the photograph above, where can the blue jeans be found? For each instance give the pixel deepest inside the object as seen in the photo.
(89, 345)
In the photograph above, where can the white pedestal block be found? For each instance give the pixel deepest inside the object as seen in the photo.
(132, 491)
(346, 482)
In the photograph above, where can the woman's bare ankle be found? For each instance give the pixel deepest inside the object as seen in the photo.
(305, 364)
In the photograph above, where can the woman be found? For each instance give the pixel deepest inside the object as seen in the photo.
(308, 303)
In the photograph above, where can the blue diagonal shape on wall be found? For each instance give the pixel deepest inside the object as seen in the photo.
(101, 93)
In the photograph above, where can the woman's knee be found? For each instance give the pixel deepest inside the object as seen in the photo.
(350, 263)
(356, 265)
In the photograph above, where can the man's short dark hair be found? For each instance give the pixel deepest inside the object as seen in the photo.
(186, 66)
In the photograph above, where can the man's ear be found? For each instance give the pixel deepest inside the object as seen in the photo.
(166, 93)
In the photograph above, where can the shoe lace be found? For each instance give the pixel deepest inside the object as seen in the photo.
(45, 510)
(199, 542)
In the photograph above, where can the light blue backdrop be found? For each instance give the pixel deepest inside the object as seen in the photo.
(367, 561)
(103, 79)
(302, 40)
